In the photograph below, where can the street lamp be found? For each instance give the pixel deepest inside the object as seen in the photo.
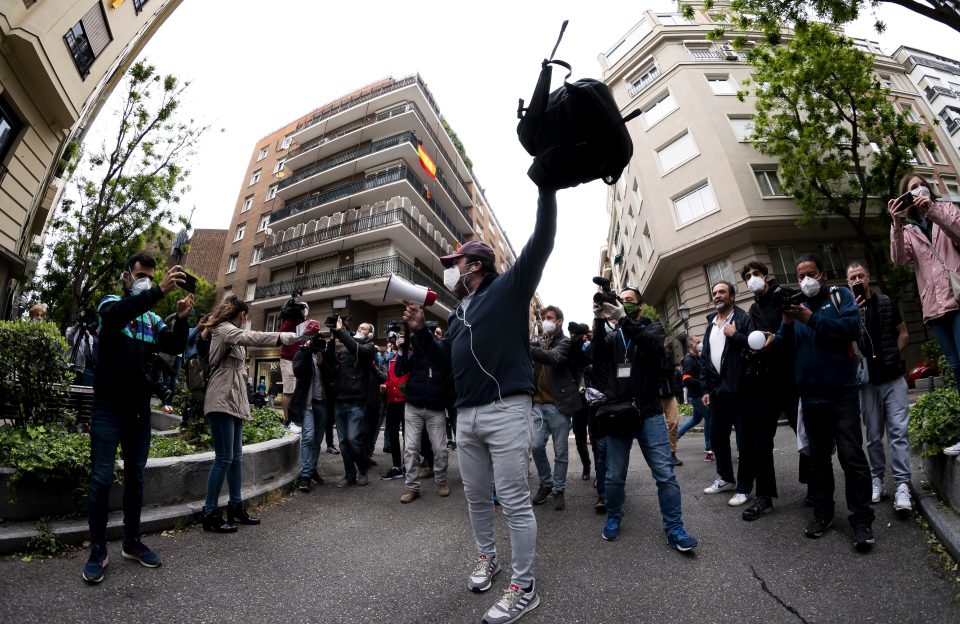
(684, 312)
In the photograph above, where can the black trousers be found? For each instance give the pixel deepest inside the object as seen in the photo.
(394, 420)
(787, 402)
(451, 424)
(373, 413)
(726, 412)
(580, 419)
(838, 423)
(759, 429)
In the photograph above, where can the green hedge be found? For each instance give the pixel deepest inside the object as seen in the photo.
(34, 374)
(935, 421)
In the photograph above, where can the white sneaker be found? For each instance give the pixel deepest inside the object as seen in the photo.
(952, 450)
(738, 499)
(879, 490)
(718, 486)
(292, 428)
(902, 500)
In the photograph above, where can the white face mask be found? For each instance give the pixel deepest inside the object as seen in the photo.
(141, 285)
(360, 335)
(451, 277)
(756, 284)
(810, 286)
(921, 191)
(549, 327)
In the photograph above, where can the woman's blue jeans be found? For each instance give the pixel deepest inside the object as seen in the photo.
(946, 330)
(700, 413)
(227, 433)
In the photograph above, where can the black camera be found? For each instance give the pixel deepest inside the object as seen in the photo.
(88, 320)
(606, 294)
(395, 326)
(784, 297)
(578, 329)
(332, 320)
(316, 344)
(153, 369)
(293, 309)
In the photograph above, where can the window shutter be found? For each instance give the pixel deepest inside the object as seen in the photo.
(95, 26)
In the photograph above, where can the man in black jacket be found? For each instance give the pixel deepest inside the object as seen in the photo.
(130, 337)
(308, 409)
(556, 400)
(724, 341)
(632, 357)
(354, 358)
(883, 398)
(775, 388)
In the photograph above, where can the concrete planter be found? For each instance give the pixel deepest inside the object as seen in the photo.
(943, 472)
(167, 481)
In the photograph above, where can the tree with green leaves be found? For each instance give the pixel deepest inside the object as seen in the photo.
(842, 147)
(771, 15)
(123, 193)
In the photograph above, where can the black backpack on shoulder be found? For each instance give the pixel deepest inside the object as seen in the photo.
(576, 133)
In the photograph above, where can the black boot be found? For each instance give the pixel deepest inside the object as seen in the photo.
(237, 514)
(214, 522)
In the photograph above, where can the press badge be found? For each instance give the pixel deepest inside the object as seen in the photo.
(623, 371)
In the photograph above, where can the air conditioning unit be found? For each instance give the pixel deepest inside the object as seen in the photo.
(729, 53)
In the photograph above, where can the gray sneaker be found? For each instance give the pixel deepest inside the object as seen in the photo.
(362, 479)
(513, 605)
(482, 576)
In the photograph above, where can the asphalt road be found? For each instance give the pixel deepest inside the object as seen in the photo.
(358, 555)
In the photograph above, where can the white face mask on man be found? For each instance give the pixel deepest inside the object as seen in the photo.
(810, 286)
(140, 286)
(756, 284)
(549, 327)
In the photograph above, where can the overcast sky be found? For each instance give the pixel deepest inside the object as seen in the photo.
(253, 72)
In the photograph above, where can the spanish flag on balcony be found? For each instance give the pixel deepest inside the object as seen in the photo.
(426, 162)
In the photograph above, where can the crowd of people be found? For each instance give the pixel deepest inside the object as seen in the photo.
(825, 358)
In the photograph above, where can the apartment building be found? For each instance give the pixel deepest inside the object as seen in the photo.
(58, 63)
(697, 201)
(206, 251)
(938, 79)
(333, 203)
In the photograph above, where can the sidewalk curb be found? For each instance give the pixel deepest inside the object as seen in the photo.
(15, 536)
(944, 521)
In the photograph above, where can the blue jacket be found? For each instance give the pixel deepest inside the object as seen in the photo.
(495, 327)
(826, 364)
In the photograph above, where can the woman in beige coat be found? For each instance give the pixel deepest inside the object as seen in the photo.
(226, 405)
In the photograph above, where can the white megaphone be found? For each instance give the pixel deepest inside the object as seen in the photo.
(399, 289)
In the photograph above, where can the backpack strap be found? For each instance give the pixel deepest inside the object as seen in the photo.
(563, 28)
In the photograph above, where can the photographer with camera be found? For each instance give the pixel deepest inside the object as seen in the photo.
(129, 334)
(579, 360)
(292, 314)
(82, 340)
(721, 377)
(308, 409)
(354, 357)
(925, 232)
(821, 333)
(631, 356)
(487, 347)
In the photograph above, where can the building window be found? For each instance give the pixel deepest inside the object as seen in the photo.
(742, 127)
(241, 230)
(935, 154)
(644, 77)
(257, 255)
(263, 153)
(909, 112)
(678, 152)
(138, 5)
(769, 182)
(88, 38)
(285, 143)
(916, 156)
(722, 84)
(10, 127)
(264, 222)
(832, 261)
(247, 203)
(719, 271)
(783, 264)
(646, 242)
(279, 166)
(271, 192)
(251, 291)
(627, 42)
(950, 186)
(479, 207)
(663, 106)
(255, 177)
(272, 323)
(231, 267)
(637, 196)
(672, 19)
(695, 204)
(227, 291)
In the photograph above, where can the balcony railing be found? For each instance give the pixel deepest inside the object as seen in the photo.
(369, 269)
(643, 82)
(375, 181)
(357, 152)
(378, 117)
(358, 226)
(934, 91)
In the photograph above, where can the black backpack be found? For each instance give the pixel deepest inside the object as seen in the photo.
(576, 133)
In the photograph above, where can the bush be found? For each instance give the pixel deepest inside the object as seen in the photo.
(35, 378)
(933, 354)
(264, 424)
(686, 410)
(47, 453)
(170, 446)
(934, 421)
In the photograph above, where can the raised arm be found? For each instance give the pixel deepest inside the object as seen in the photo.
(525, 274)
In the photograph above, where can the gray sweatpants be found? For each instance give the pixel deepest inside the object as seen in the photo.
(885, 406)
(416, 419)
(497, 437)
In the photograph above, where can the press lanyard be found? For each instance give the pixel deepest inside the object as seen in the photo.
(626, 346)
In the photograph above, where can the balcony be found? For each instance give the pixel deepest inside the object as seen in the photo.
(363, 189)
(715, 55)
(376, 270)
(399, 212)
(387, 120)
(934, 92)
